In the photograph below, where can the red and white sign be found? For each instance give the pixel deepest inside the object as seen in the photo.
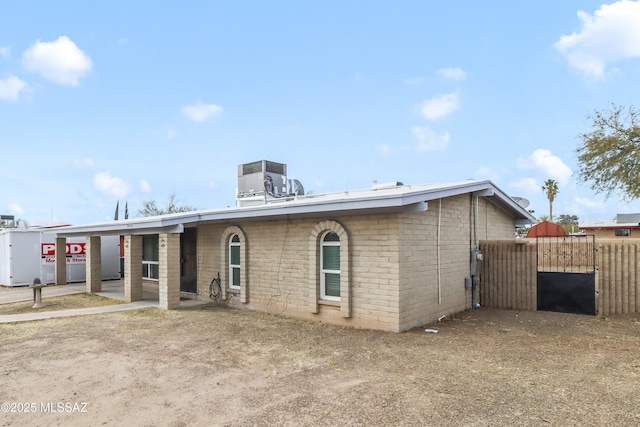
(75, 253)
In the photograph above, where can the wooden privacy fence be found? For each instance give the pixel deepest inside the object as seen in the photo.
(508, 274)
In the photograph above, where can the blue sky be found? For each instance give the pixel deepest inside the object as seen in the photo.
(113, 101)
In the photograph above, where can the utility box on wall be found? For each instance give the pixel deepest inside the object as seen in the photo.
(476, 256)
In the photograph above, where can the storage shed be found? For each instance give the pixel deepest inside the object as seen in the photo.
(546, 229)
(27, 253)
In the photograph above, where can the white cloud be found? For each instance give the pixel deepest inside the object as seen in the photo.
(384, 148)
(589, 203)
(437, 108)
(413, 81)
(212, 185)
(5, 52)
(486, 173)
(145, 187)
(60, 61)
(11, 87)
(452, 73)
(15, 209)
(611, 34)
(526, 186)
(429, 140)
(201, 112)
(552, 166)
(171, 134)
(85, 163)
(111, 186)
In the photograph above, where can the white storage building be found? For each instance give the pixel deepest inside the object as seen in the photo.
(27, 253)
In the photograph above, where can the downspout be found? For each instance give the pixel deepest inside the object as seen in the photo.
(475, 301)
(475, 223)
(438, 250)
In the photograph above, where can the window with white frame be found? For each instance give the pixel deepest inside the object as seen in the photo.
(150, 257)
(234, 262)
(330, 267)
(623, 232)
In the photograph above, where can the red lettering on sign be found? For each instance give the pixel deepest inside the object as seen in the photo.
(49, 249)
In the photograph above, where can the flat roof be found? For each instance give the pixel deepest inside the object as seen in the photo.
(381, 198)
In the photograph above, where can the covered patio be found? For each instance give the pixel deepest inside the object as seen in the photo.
(134, 287)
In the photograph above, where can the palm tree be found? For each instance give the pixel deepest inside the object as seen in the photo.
(551, 188)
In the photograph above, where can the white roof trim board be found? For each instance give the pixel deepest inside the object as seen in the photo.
(378, 199)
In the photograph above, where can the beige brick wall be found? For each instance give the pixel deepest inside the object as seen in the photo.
(94, 264)
(432, 280)
(169, 271)
(388, 252)
(278, 274)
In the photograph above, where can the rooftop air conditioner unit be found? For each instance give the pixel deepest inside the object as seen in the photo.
(262, 177)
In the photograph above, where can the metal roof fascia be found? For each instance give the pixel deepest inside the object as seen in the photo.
(315, 208)
(632, 225)
(119, 229)
(487, 189)
(419, 198)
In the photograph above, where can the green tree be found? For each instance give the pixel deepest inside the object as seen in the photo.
(551, 188)
(149, 207)
(568, 222)
(609, 156)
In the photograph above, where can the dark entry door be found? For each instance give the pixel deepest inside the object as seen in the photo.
(188, 261)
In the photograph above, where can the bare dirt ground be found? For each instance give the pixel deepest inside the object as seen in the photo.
(219, 366)
(65, 302)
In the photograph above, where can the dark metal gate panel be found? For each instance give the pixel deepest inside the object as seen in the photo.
(567, 292)
(566, 274)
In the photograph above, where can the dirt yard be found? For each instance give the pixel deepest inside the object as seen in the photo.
(224, 367)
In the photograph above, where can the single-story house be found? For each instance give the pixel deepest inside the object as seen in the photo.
(624, 225)
(391, 257)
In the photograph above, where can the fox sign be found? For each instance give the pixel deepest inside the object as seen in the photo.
(75, 253)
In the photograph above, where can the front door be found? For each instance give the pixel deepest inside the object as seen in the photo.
(188, 261)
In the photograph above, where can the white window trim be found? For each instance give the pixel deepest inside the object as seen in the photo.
(316, 303)
(323, 271)
(227, 235)
(146, 265)
(233, 244)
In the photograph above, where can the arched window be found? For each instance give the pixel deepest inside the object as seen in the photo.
(330, 267)
(329, 278)
(234, 269)
(234, 262)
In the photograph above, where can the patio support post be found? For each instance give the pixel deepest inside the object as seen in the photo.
(132, 268)
(61, 261)
(94, 264)
(169, 271)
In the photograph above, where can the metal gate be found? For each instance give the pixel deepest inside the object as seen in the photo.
(566, 274)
